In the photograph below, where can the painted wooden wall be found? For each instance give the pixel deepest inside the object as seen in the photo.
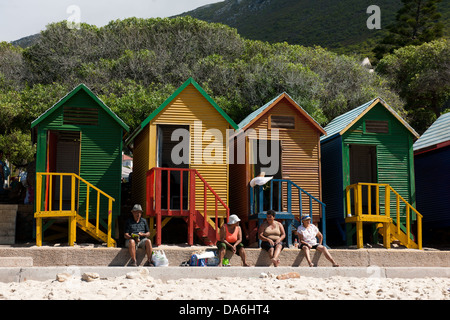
(300, 160)
(100, 151)
(189, 107)
(395, 158)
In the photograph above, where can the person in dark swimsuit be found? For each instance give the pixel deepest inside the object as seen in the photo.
(271, 233)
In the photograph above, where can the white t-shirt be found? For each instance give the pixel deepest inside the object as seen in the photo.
(308, 234)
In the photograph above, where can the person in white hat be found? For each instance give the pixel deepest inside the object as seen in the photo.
(137, 235)
(308, 234)
(231, 239)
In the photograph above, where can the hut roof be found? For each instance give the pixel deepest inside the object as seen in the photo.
(255, 115)
(170, 99)
(340, 124)
(436, 136)
(70, 95)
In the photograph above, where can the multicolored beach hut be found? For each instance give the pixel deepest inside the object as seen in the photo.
(432, 169)
(368, 174)
(281, 140)
(78, 164)
(180, 163)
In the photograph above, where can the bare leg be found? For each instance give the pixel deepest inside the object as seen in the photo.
(221, 255)
(307, 256)
(327, 255)
(243, 257)
(132, 250)
(270, 252)
(148, 250)
(275, 259)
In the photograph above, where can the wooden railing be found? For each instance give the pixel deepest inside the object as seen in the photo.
(377, 205)
(45, 193)
(187, 207)
(257, 204)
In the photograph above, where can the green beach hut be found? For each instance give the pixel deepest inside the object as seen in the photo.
(79, 163)
(365, 150)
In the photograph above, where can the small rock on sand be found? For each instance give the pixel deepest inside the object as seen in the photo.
(289, 275)
(90, 276)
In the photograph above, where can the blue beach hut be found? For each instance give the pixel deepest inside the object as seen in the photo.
(432, 168)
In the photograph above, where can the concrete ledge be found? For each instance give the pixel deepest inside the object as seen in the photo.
(173, 273)
(16, 261)
(102, 256)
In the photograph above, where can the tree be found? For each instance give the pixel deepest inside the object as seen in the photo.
(11, 66)
(417, 22)
(133, 65)
(421, 76)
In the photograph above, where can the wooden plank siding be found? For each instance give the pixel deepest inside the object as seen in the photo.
(100, 160)
(388, 136)
(190, 108)
(394, 152)
(141, 152)
(300, 160)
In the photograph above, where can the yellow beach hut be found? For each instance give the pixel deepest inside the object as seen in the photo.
(180, 164)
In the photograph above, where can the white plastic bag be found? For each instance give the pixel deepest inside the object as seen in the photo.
(159, 259)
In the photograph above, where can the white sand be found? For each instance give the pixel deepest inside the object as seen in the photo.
(141, 286)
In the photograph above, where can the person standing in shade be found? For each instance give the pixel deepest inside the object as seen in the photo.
(137, 235)
(308, 234)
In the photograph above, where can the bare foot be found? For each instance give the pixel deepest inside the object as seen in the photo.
(276, 262)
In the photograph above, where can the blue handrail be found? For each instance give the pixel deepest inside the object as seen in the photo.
(258, 205)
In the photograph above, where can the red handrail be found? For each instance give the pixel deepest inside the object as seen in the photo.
(153, 199)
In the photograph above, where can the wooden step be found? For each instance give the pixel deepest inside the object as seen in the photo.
(92, 230)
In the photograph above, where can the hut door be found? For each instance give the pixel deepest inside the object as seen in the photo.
(266, 157)
(168, 159)
(363, 168)
(363, 161)
(63, 157)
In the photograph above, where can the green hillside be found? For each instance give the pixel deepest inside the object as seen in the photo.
(337, 25)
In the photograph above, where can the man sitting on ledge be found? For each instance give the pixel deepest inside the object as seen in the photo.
(137, 235)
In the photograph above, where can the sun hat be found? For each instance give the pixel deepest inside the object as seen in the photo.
(233, 219)
(306, 218)
(137, 207)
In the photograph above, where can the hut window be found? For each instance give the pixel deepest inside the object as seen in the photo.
(282, 122)
(81, 116)
(375, 126)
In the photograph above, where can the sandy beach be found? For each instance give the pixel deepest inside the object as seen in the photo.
(139, 285)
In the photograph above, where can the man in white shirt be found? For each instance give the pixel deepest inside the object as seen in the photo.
(308, 234)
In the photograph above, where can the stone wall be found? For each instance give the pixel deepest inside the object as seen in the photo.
(8, 214)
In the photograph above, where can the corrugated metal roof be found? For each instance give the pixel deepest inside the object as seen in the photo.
(257, 113)
(69, 95)
(438, 132)
(170, 99)
(343, 122)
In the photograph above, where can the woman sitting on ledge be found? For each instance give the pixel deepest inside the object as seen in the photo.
(271, 233)
(307, 233)
(231, 239)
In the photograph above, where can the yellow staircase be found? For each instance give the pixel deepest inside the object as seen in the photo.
(373, 203)
(45, 182)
